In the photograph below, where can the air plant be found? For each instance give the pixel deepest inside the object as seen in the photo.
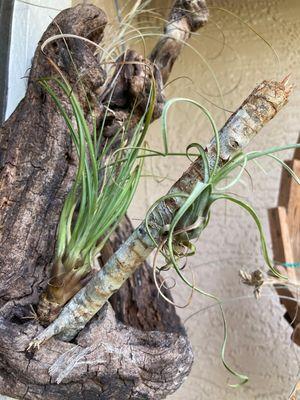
(104, 184)
(103, 188)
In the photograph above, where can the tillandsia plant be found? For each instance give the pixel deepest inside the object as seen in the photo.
(102, 192)
(193, 215)
(100, 196)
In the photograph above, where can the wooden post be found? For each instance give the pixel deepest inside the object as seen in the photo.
(285, 232)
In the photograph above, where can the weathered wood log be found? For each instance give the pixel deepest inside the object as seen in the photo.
(109, 359)
(36, 161)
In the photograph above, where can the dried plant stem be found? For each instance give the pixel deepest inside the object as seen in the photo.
(259, 108)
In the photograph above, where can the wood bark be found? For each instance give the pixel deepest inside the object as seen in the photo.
(138, 351)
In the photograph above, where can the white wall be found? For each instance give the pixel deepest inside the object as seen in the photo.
(30, 19)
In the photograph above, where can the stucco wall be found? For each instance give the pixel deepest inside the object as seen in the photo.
(259, 343)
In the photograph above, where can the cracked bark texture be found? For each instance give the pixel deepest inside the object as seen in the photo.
(139, 350)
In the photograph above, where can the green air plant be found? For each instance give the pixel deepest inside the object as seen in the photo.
(101, 193)
(104, 183)
(193, 215)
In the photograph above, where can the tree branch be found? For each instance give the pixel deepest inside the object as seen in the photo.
(185, 17)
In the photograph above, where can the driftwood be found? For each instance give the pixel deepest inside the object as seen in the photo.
(285, 232)
(139, 350)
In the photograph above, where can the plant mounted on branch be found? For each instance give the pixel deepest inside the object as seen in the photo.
(98, 200)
